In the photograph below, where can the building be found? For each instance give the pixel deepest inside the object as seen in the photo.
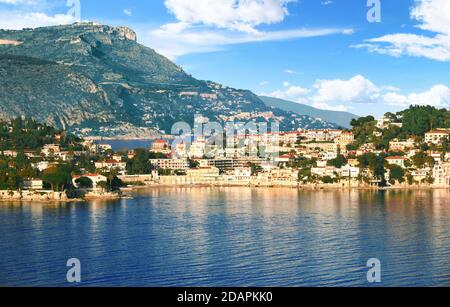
(348, 171)
(283, 159)
(441, 174)
(383, 122)
(436, 137)
(396, 145)
(43, 165)
(9, 153)
(51, 150)
(346, 138)
(112, 165)
(284, 176)
(419, 175)
(203, 175)
(323, 171)
(397, 160)
(223, 164)
(95, 178)
(322, 146)
(180, 150)
(242, 174)
(33, 184)
(131, 154)
(104, 147)
(197, 149)
(160, 146)
(170, 164)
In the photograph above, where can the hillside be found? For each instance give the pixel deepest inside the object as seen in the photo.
(342, 119)
(96, 80)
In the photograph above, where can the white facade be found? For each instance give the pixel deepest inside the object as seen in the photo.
(172, 164)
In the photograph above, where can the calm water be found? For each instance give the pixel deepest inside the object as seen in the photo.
(231, 237)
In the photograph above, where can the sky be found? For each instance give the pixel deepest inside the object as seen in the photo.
(324, 53)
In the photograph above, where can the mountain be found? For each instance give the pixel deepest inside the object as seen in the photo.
(342, 119)
(96, 80)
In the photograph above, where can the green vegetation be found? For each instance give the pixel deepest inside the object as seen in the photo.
(140, 164)
(59, 177)
(339, 162)
(415, 122)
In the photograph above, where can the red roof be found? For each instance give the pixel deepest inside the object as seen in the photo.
(87, 175)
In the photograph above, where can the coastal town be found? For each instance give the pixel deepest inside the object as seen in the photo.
(38, 162)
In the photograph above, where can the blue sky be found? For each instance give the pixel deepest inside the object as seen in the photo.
(322, 53)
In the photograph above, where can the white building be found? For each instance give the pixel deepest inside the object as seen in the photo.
(51, 150)
(197, 149)
(441, 174)
(323, 171)
(348, 171)
(436, 136)
(112, 165)
(397, 145)
(95, 178)
(397, 160)
(33, 184)
(170, 164)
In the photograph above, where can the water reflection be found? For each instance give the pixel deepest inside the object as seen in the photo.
(231, 237)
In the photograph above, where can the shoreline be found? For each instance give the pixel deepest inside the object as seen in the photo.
(131, 190)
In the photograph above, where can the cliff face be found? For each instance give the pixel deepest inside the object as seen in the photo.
(97, 80)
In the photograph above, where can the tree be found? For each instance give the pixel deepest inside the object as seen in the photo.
(58, 176)
(421, 159)
(374, 163)
(339, 162)
(417, 120)
(84, 183)
(256, 169)
(140, 164)
(115, 184)
(327, 180)
(103, 185)
(397, 174)
(193, 163)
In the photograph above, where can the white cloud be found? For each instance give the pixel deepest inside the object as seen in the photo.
(19, 14)
(433, 16)
(179, 39)
(356, 90)
(292, 72)
(292, 93)
(438, 96)
(241, 15)
(128, 12)
(360, 93)
(19, 2)
(16, 20)
(210, 25)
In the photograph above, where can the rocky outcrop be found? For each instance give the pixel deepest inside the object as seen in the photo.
(37, 196)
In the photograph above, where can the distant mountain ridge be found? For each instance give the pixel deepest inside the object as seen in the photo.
(342, 119)
(96, 80)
